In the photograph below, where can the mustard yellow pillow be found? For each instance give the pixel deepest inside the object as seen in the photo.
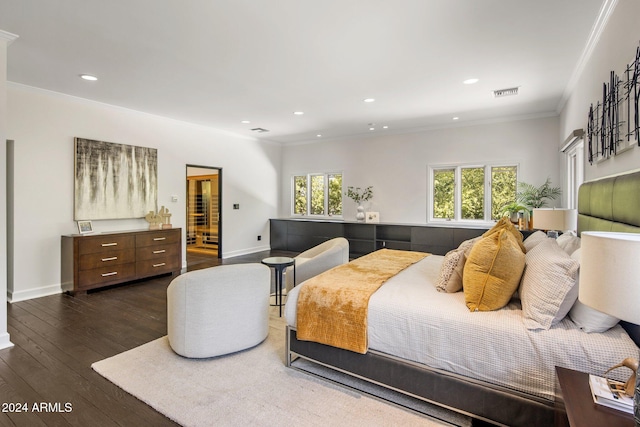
(505, 224)
(492, 272)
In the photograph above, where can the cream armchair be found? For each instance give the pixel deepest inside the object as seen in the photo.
(318, 259)
(218, 310)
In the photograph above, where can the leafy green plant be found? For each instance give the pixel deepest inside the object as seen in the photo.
(359, 195)
(513, 208)
(537, 197)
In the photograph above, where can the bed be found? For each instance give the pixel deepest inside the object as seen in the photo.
(426, 343)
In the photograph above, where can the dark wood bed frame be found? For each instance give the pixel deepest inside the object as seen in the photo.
(599, 209)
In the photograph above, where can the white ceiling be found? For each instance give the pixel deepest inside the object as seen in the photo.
(218, 62)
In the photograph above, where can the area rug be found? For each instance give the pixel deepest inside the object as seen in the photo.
(252, 387)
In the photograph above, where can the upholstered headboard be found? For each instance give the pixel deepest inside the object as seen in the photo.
(612, 204)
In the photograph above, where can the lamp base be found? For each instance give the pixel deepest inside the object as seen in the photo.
(553, 234)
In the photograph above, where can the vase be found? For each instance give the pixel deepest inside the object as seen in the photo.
(360, 214)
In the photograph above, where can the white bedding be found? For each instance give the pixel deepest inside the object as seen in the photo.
(410, 319)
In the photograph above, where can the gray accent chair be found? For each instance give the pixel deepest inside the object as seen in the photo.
(318, 259)
(218, 310)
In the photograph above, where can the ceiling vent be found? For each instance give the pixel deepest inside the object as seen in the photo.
(260, 130)
(505, 92)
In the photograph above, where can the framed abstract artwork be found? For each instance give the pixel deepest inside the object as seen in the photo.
(114, 181)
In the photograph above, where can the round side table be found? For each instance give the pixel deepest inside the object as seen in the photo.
(279, 263)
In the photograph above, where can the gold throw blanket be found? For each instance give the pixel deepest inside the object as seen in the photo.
(332, 306)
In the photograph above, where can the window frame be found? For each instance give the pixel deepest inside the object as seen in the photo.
(574, 170)
(457, 219)
(325, 208)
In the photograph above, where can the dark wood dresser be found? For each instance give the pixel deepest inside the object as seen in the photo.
(98, 260)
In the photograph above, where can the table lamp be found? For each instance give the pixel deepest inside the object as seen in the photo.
(554, 220)
(610, 280)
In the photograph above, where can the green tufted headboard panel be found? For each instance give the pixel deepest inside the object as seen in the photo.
(610, 204)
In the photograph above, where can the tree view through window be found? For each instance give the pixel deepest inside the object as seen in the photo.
(475, 183)
(317, 194)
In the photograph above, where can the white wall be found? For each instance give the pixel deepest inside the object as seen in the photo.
(43, 125)
(615, 48)
(5, 39)
(396, 165)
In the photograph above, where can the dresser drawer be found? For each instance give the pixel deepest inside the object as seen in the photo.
(158, 238)
(91, 262)
(106, 275)
(106, 258)
(153, 267)
(157, 252)
(93, 244)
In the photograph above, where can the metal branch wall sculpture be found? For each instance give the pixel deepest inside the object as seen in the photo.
(613, 124)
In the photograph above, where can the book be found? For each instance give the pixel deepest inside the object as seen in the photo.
(603, 394)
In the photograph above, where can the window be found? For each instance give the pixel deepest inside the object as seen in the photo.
(471, 192)
(317, 194)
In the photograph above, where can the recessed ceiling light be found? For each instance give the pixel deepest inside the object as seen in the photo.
(456, 118)
(372, 128)
(369, 100)
(88, 77)
(318, 135)
(245, 121)
(470, 81)
(385, 127)
(298, 113)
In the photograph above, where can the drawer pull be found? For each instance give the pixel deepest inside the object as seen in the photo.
(159, 265)
(113, 273)
(110, 244)
(159, 238)
(113, 258)
(160, 252)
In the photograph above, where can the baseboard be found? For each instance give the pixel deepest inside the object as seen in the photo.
(4, 341)
(245, 251)
(33, 293)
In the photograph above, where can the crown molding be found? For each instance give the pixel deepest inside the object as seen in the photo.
(594, 36)
(8, 37)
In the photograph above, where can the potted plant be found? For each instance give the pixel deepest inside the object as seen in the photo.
(512, 209)
(536, 197)
(359, 195)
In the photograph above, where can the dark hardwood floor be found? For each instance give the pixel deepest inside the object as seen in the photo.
(46, 378)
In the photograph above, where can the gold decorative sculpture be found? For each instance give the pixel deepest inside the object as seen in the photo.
(159, 220)
(632, 364)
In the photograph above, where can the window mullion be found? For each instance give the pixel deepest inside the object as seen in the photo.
(457, 200)
(326, 194)
(488, 194)
(309, 191)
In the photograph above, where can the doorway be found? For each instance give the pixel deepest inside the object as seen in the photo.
(204, 219)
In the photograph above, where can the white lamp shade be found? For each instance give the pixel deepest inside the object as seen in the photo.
(610, 273)
(555, 219)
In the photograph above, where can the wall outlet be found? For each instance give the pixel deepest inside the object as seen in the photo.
(236, 206)
(259, 237)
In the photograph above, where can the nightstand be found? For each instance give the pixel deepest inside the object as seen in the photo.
(580, 408)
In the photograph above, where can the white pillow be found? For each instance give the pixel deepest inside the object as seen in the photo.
(591, 320)
(546, 290)
(535, 238)
(586, 318)
(568, 243)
